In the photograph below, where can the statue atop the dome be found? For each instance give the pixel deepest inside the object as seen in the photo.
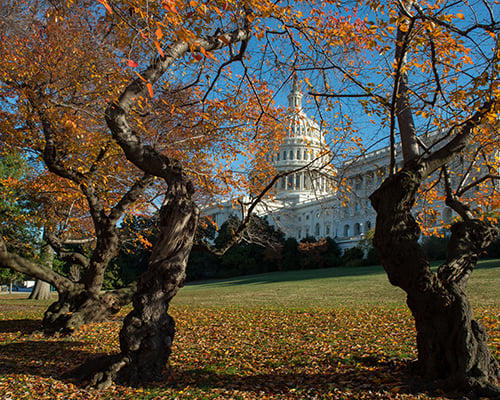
(295, 96)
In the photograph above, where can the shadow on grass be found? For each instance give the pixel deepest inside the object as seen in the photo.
(383, 377)
(26, 326)
(42, 358)
(54, 358)
(296, 275)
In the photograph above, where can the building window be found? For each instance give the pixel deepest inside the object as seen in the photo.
(284, 156)
(305, 154)
(357, 229)
(278, 156)
(297, 181)
(289, 182)
(300, 234)
(283, 182)
(347, 229)
(327, 230)
(358, 183)
(298, 154)
(316, 231)
(447, 215)
(307, 217)
(307, 232)
(291, 155)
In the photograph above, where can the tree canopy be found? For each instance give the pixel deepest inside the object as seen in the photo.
(111, 100)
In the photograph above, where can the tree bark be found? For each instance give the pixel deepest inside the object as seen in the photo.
(41, 291)
(78, 306)
(453, 352)
(148, 330)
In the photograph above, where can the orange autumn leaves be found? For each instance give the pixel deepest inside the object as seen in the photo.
(222, 353)
(75, 60)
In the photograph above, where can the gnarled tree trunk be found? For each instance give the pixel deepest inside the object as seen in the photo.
(453, 352)
(78, 302)
(77, 306)
(148, 330)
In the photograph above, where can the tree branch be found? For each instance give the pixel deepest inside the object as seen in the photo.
(130, 197)
(28, 267)
(400, 104)
(73, 257)
(463, 138)
(145, 157)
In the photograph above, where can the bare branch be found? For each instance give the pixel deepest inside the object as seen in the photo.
(452, 200)
(130, 197)
(63, 253)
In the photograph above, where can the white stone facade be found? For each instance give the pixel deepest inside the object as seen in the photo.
(310, 201)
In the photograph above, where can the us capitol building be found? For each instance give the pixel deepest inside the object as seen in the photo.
(315, 198)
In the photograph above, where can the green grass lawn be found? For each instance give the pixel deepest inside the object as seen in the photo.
(329, 287)
(342, 333)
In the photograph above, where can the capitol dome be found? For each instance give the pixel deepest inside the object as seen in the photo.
(304, 152)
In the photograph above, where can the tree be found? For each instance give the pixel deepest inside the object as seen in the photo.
(17, 222)
(428, 74)
(41, 290)
(51, 89)
(187, 37)
(445, 78)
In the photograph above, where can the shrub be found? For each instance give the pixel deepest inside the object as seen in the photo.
(353, 257)
(435, 248)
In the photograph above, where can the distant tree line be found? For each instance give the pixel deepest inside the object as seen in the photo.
(265, 250)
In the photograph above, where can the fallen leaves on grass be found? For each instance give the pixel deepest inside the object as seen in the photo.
(230, 353)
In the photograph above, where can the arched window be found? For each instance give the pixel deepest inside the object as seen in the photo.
(291, 155)
(278, 156)
(447, 215)
(316, 230)
(305, 154)
(357, 229)
(284, 156)
(347, 230)
(298, 154)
